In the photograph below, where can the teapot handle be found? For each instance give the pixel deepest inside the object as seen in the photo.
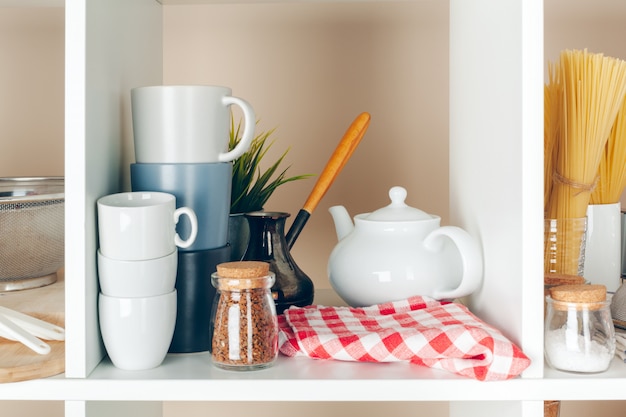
(471, 259)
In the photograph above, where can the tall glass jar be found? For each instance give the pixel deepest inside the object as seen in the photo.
(579, 334)
(244, 322)
(565, 242)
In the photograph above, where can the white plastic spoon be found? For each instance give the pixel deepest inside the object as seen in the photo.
(21, 335)
(38, 328)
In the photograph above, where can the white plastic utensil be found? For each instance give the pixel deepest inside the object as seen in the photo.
(38, 328)
(17, 333)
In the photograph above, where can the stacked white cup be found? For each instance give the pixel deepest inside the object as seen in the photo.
(137, 263)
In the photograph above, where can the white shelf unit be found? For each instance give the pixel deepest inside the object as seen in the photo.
(190, 377)
(496, 86)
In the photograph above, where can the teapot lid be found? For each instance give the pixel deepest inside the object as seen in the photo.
(398, 210)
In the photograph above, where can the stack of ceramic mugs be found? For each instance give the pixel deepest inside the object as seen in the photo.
(137, 262)
(181, 138)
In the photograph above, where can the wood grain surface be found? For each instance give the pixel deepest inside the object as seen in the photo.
(19, 363)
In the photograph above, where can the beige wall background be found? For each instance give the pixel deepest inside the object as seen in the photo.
(31, 91)
(308, 69)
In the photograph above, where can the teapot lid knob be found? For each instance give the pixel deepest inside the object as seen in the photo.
(397, 195)
(398, 210)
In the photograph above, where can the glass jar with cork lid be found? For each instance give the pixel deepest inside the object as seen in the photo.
(579, 334)
(244, 322)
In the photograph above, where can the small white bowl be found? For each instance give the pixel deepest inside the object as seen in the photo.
(137, 332)
(145, 278)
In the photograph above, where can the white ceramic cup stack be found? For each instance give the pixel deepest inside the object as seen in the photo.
(137, 264)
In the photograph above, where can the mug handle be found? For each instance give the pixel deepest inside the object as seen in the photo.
(471, 259)
(248, 129)
(193, 220)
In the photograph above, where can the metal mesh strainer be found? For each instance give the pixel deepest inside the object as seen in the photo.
(32, 212)
(618, 303)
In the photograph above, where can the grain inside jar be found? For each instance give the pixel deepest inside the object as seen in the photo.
(579, 334)
(245, 327)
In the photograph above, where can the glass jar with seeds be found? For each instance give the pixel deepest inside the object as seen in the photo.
(244, 322)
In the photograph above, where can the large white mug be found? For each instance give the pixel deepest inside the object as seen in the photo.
(134, 226)
(187, 124)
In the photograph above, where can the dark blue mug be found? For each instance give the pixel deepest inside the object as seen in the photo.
(203, 187)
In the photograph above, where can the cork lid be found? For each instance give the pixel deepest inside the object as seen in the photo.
(562, 279)
(593, 293)
(243, 275)
(243, 269)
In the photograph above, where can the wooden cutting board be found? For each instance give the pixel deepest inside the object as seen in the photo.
(19, 363)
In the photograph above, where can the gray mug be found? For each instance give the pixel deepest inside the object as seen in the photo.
(203, 187)
(187, 124)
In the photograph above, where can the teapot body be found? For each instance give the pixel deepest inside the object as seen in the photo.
(388, 261)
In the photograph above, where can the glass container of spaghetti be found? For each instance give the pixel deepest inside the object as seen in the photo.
(579, 334)
(244, 321)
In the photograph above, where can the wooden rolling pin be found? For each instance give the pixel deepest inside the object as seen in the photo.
(335, 164)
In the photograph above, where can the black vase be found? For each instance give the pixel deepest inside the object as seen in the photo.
(238, 235)
(267, 243)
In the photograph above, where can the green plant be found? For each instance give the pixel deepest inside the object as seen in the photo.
(251, 188)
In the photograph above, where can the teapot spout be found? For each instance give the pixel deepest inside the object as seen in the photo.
(343, 222)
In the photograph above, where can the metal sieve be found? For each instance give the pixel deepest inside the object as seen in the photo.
(32, 222)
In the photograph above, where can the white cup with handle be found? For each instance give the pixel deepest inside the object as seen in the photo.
(187, 124)
(135, 226)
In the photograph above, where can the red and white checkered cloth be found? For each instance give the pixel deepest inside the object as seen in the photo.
(421, 330)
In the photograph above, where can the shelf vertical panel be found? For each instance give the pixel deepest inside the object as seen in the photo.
(496, 159)
(111, 46)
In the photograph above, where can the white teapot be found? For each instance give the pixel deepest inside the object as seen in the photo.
(399, 251)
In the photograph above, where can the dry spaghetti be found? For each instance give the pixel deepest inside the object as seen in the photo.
(582, 100)
(612, 171)
(593, 91)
